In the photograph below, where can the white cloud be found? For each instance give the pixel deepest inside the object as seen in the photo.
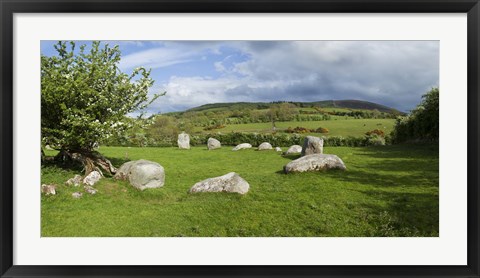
(394, 73)
(169, 53)
(155, 58)
(219, 66)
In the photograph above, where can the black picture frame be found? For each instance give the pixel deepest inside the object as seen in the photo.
(9, 7)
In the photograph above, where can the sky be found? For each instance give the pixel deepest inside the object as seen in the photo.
(193, 73)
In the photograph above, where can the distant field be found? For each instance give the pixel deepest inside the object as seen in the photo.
(339, 127)
(386, 191)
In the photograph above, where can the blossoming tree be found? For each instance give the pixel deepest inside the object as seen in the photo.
(85, 96)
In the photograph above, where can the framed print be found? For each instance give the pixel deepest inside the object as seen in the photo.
(256, 139)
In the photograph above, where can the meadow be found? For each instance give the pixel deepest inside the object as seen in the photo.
(337, 126)
(385, 191)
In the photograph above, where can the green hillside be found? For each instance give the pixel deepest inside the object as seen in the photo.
(355, 104)
(345, 104)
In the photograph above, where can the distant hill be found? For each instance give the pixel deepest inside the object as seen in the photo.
(355, 104)
(232, 105)
(347, 104)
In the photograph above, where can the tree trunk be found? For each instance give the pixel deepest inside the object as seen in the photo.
(91, 161)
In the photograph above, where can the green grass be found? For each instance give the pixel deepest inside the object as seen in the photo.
(339, 127)
(386, 191)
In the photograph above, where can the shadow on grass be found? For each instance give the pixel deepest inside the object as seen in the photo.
(405, 215)
(388, 166)
(381, 180)
(398, 151)
(291, 156)
(280, 172)
(394, 213)
(117, 162)
(50, 162)
(423, 166)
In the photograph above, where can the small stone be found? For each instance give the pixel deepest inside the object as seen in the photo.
(278, 149)
(183, 141)
(242, 146)
(294, 149)
(77, 195)
(75, 181)
(213, 143)
(90, 190)
(231, 182)
(265, 146)
(92, 178)
(49, 189)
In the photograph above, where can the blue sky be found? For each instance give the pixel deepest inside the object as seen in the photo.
(392, 73)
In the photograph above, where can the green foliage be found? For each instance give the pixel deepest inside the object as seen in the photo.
(282, 112)
(215, 126)
(300, 130)
(338, 141)
(375, 137)
(422, 124)
(165, 129)
(85, 96)
(386, 191)
(375, 140)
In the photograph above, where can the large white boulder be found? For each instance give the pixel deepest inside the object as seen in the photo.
(315, 162)
(230, 182)
(183, 141)
(142, 174)
(213, 143)
(312, 145)
(265, 146)
(242, 146)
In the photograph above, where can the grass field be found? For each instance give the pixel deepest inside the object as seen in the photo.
(386, 191)
(340, 127)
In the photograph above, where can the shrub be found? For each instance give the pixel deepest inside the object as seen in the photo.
(235, 138)
(298, 129)
(375, 140)
(212, 127)
(422, 124)
(321, 130)
(378, 132)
